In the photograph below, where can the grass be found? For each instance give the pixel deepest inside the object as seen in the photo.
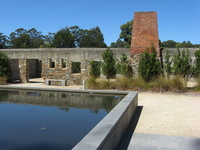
(174, 84)
(161, 84)
(197, 87)
(3, 80)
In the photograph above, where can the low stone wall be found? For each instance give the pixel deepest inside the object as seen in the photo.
(108, 133)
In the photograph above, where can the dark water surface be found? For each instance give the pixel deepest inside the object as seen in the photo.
(31, 120)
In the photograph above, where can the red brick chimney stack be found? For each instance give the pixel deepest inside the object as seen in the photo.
(144, 32)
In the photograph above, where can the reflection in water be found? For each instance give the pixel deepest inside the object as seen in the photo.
(49, 120)
(61, 100)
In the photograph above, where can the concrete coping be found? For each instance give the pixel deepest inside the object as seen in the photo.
(108, 132)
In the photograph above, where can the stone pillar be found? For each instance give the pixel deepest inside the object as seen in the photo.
(23, 71)
(85, 68)
(68, 71)
(45, 67)
(144, 32)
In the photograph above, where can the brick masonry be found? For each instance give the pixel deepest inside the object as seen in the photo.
(144, 32)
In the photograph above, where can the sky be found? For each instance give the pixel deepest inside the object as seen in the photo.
(178, 20)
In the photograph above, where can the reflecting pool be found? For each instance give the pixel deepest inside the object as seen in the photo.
(32, 120)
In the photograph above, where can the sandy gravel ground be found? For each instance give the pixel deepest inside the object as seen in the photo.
(169, 114)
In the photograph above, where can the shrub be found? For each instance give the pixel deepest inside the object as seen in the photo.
(197, 87)
(92, 83)
(178, 84)
(167, 66)
(123, 66)
(123, 83)
(173, 84)
(95, 69)
(5, 70)
(138, 84)
(3, 80)
(149, 66)
(196, 68)
(182, 64)
(161, 84)
(109, 63)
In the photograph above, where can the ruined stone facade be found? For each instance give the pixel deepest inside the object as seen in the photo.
(62, 70)
(144, 32)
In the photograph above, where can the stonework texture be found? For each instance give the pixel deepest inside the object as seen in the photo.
(144, 32)
(60, 73)
(23, 70)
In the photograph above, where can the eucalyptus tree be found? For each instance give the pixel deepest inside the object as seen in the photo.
(64, 39)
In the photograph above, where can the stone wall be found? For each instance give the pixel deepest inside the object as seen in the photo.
(64, 73)
(34, 68)
(23, 70)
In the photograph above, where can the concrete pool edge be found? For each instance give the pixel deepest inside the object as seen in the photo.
(64, 90)
(108, 132)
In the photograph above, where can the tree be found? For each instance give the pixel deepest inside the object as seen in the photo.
(168, 62)
(48, 41)
(95, 69)
(185, 44)
(123, 66)
(126, 33)
(169, 44)
(196, 68)
(119, 44)
(5, 70)
(149, 65)
(3, 41)
(19, 39)
(36, 38)
(63, 39)
(108, 65)
(91, 38)
(182, 63)
(76, 32)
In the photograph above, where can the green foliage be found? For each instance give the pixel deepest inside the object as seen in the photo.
(119, 44)
(182, 64)
(91, 38)
(149, 66)
(196, 67)
(5, 70)
(95, 69)
(3, 80)
(173, 84)
(169, 44)
(22, 38)
(167, 66)
(197, 87)
(126, 33)
(109, 63)
(123, 83)
(173, 44)
(92, 83)
(123, 66)
(63, 39)
(3, 41)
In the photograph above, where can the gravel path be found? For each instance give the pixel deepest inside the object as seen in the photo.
(170, 114)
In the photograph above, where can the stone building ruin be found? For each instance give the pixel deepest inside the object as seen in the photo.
(57, 63)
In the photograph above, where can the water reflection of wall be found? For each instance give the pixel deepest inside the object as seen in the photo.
(62, 100)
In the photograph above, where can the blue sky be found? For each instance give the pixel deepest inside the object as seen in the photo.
(178, 20)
